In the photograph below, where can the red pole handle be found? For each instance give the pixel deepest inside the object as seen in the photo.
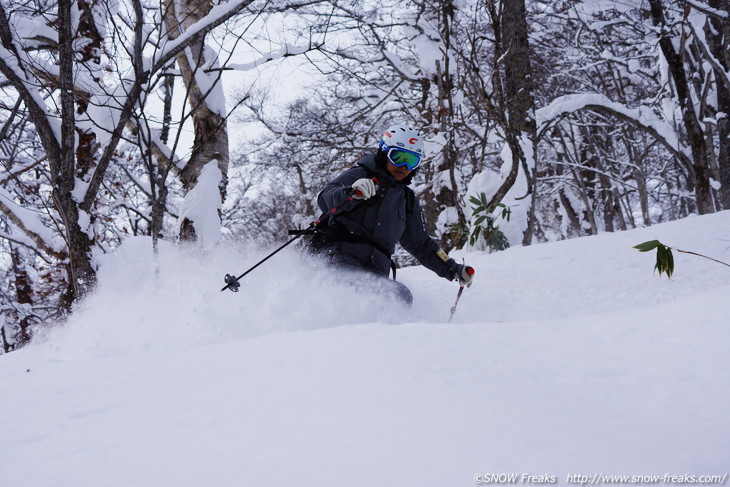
(358, 193)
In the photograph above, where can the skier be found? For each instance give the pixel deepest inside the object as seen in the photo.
(361, 236)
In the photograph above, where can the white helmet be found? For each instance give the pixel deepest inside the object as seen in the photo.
(404, 137)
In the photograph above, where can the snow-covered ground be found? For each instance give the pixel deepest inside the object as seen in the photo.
(568, 358)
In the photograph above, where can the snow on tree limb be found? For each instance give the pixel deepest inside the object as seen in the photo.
(218, 15)
(195, 207)
(286, 51)
(48, 126)
(642, 117)
(706, 9)
(30, 223)
(696, 24)
(130, 103)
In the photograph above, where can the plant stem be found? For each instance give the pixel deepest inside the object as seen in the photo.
(700, 255)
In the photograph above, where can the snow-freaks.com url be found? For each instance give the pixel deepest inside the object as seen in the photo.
(667, 478)
(601, 479)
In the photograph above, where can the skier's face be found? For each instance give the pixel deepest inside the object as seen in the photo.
(398, 172)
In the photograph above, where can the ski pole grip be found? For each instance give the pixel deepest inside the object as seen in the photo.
(358, 193)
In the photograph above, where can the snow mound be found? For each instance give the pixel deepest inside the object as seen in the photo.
(143, 304)
(563, 359)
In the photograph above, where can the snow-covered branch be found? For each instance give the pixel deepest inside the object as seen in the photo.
(10, 66)
(194, 33)
(286, 51)
(30, 223)
(706, 9)
(642, 117)
(722, 74)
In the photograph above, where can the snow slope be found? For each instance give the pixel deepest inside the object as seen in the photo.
(568, 358)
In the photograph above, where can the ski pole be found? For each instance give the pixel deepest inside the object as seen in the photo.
(453, 308)
(458, 295)
(232, 281)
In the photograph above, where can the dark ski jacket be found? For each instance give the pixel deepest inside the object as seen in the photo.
(364, 233)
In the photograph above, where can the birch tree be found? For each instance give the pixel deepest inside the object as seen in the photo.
(208, 162)
(79, 74)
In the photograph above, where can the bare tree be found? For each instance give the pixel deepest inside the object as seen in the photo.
(701, 153)
(77, 115)
(518, 124)
(717, 32)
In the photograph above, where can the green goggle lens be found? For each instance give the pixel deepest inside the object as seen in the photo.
(401, 157)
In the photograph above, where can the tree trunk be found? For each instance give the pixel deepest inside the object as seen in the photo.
(589, 215)
(23, 296)
(206, 103)
(447, 192)
(719, 38)
(60, 152)
(695, 133)
(521, 129)
(82, 275)
(570, 212)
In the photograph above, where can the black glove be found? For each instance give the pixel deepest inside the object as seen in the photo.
(464, 274)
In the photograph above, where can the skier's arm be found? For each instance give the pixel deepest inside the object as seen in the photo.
(339, 189)
(418, 243)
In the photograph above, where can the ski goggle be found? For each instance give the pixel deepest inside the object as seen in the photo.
(402, 157)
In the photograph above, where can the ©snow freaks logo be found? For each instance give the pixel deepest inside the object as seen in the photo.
(514, 478)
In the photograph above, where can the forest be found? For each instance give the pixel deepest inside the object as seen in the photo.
(198, 121)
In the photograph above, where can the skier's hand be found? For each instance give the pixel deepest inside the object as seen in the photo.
(465, 275)
(364, 188)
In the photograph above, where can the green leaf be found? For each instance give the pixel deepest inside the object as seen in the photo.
(660, 259)
(480, 220)
(664, 260)
(670, 263)
(474, 236)
(647, 246)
